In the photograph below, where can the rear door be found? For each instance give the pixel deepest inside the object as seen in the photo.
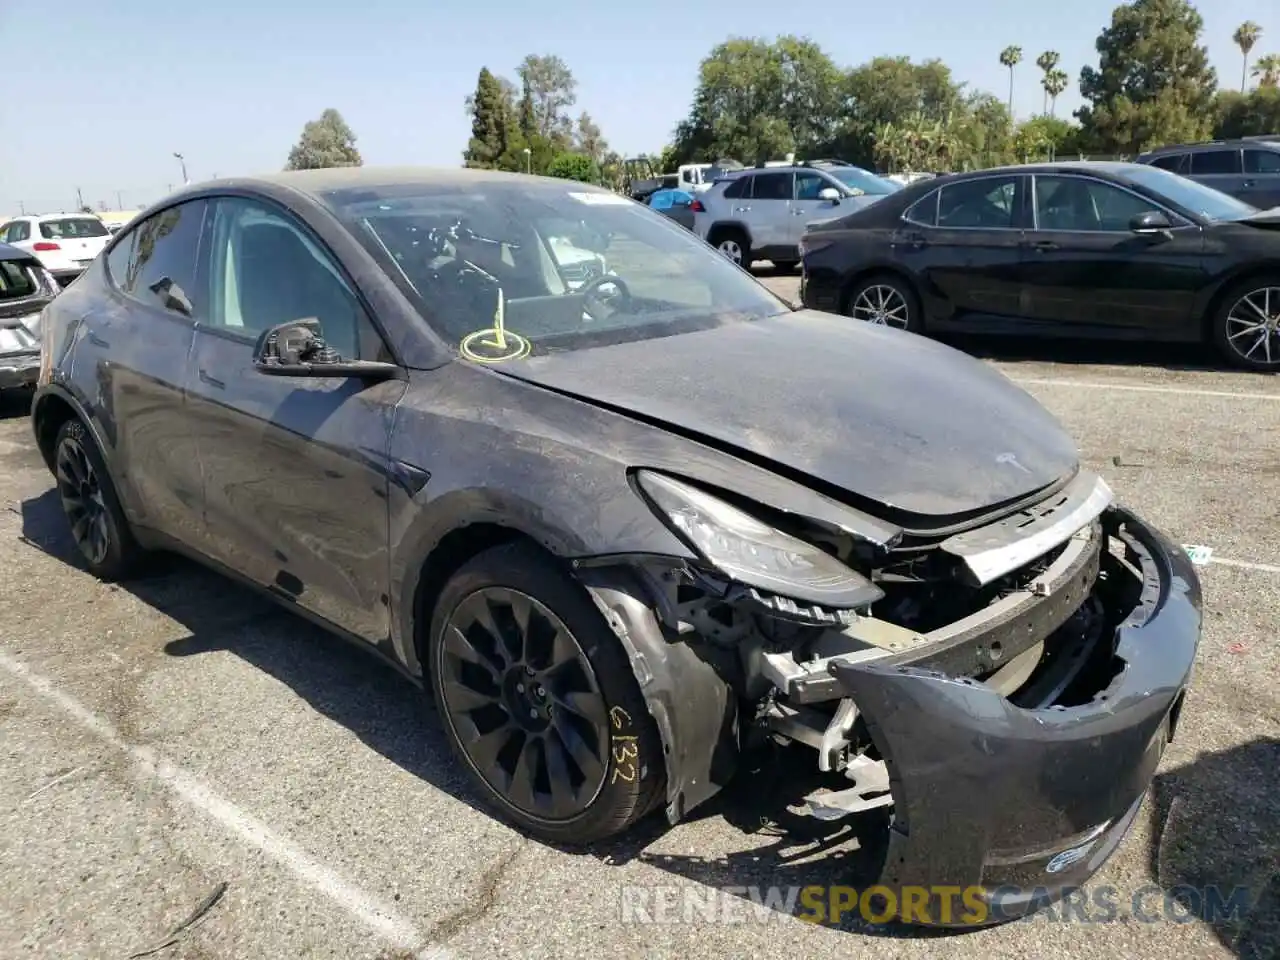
(964, 241)
(767, 213)
(1084, 267)
(1261, 185)
(131, 367)
(1220, 168)
(295, 482)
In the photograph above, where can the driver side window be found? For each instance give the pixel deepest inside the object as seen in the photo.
(265, 269)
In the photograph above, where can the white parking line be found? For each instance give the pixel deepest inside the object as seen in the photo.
(1246, 564)
(1136, 388)
(377, 915)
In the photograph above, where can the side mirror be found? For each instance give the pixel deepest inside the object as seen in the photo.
(298, 349)
(1151, 223)
(830, 194)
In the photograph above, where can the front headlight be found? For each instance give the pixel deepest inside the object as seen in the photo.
(753, 553)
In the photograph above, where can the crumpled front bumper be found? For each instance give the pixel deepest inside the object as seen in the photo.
(1015, 806)
(19, 369)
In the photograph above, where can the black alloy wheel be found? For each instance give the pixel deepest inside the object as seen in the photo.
(525, 702)
(539, 700)
(98, 524)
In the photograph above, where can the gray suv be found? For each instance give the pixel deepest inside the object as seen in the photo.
(1247, 169)
(761, 213)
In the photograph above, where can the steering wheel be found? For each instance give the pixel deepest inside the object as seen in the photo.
(602, 308)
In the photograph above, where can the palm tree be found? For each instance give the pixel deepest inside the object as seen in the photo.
(1055, 83)
(1010, 57)
(1047, 62)
(1267, 70)
(1246, 36)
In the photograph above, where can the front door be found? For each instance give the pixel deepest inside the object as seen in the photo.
(807, 205)
(1261, 186)
(295, 481)
(1083, 266)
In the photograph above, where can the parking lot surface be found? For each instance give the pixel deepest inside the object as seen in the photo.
(177, 746)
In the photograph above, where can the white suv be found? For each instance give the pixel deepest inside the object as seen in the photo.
(64, 243)
(761, 213)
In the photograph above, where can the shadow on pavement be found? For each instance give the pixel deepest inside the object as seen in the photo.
(15, 404)
(1216, 844)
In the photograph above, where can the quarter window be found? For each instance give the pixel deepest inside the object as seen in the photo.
(19, 231)
(1215, 161)
(741, 187)
(155, 262)
(1172, 161)
(924, 211)
(987, 202)
(266, 270)
(1074, 203)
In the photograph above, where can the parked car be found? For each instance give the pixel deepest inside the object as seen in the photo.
(1247, 168)
(26, 288)
(623, 540)
(64, 243)
(761, 213)
(1080, 249)
(676, 204)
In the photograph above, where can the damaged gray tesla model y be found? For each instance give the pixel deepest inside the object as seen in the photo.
(625, 513)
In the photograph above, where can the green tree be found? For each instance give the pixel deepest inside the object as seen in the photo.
(550, 90)
(1048, 63)
(589, 138)
(1153, 84)
(889, 90)
(1246, 37)
(1010, 57)
(491, 117)
(1055, 84)
(1247, 115)
(325, 142)
(574, 166)
(1267, 70)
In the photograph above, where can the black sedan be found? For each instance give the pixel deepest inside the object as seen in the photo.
(626, 531)
(1086, 249)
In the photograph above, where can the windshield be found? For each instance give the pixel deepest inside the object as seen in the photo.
(73, 228)
(1209, 203)
(864, 180)
(506, 268)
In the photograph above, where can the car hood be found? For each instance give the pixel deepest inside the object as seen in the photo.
(872, 415)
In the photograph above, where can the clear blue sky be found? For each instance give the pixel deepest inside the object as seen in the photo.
(110, 90)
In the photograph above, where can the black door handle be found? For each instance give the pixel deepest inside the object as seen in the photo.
(211, 381)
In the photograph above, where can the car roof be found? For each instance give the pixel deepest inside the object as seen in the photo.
(1263, 143)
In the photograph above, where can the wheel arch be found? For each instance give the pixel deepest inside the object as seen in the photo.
(52, 407)
(723, 226)
(1254, 271)
(852, 281)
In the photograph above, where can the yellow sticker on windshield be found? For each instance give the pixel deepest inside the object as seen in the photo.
(494, 345)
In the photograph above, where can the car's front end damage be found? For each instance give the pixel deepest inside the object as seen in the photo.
(1004, 688)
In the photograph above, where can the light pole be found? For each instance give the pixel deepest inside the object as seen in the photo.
(528, 160)
(183, 161)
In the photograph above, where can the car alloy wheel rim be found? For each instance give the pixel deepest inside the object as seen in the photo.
(82, 499)
(523, 701)
(1253, 326)
(881, 304)
(732, 250)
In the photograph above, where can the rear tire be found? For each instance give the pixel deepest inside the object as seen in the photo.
(884, 299)
(1246, 325)
(98, 524)
(733, 244)
(527, 677)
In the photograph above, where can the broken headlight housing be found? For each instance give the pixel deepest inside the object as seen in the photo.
(753, 553)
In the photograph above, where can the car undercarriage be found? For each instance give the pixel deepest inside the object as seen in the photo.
(1017, 644)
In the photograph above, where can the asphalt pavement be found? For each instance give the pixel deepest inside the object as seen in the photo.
(185, 768)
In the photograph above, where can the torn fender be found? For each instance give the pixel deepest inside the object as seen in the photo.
(694, 708)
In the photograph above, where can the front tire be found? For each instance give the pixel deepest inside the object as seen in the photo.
(885, 300)
(538, 701)
(98, 524)
(1246, 325)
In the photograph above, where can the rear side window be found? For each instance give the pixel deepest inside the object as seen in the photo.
(1215, 161)
(155, 262)
(16, 280)
(1262, 161)
(924, 211)
(740, 188)
(985, 203)
(73, 228)
(19, 231)
(772, 186)
(1174, 162)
